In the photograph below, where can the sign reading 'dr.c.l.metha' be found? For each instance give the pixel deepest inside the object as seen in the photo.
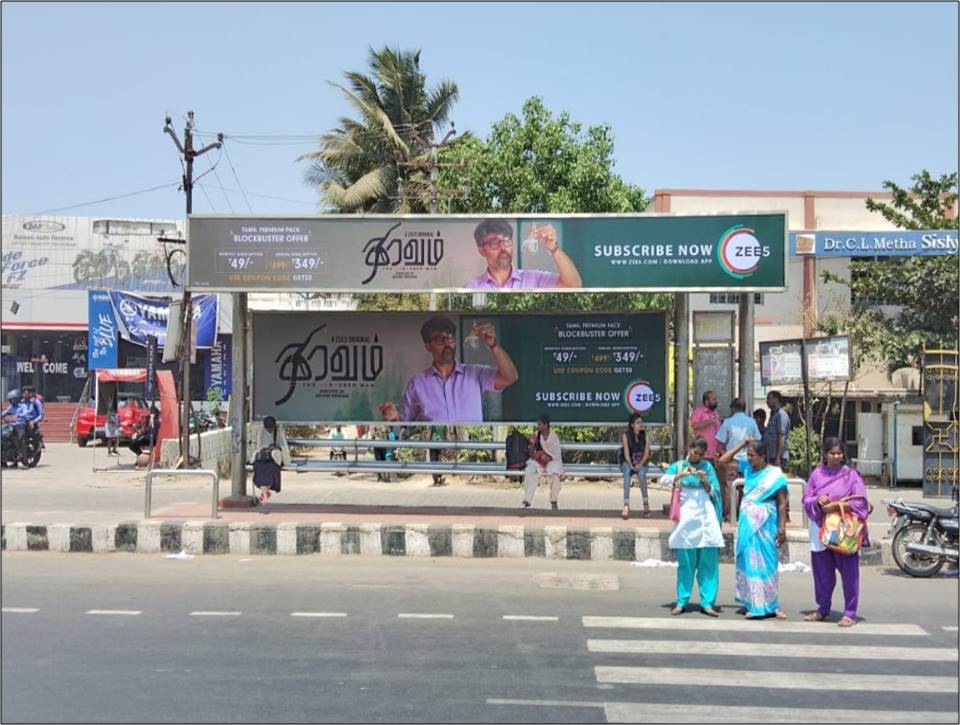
(380, 253)
(459, 368)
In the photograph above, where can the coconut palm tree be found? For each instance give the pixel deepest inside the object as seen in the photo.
(368, 163)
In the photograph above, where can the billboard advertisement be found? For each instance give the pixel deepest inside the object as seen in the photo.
(80, 253)
(450, 367)
(381, 253)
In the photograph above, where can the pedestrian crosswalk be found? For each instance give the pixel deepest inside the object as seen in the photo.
(695, 669)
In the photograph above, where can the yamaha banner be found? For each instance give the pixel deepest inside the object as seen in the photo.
(140, 317)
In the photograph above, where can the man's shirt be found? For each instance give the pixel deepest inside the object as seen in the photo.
(736, 429)
(701, 415)
(518, 279)
(431, 397)
(778, 425)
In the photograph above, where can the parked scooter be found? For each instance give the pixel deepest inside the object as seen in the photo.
(924, 536)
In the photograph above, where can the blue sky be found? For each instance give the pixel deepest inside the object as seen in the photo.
(746, 96)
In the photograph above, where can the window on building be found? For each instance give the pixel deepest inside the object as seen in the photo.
(916, 435)
(732, 298)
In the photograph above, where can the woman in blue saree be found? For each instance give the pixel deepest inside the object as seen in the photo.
(761, 530)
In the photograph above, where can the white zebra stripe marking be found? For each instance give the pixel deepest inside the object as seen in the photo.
(772, 680)
(529, 618)
(693, 622)
(763, 649)
(636, 712)
(406, 615)
(215, 614)
(318, 614)
(119, 612)
(642, 712)
(20, 610)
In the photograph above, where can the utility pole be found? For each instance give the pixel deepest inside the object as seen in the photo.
(433, 167)
(186, 309)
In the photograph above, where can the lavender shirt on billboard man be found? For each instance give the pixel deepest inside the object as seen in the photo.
(494, 239)
(451, 391)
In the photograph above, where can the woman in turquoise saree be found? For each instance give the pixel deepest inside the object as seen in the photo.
(761, 531)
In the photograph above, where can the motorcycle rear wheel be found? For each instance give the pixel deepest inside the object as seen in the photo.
(916, 565)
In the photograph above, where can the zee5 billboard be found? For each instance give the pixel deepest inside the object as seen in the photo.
(493, 253)
(421, 368)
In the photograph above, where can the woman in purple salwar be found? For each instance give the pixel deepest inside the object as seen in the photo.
(830, 482)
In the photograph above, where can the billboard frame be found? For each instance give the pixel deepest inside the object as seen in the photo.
(426, 424)
(464, 290)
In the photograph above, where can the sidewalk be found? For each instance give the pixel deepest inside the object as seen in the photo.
(64, 489)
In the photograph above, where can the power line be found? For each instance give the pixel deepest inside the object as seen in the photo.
(103, 201)
(262, 196)
(237, 178)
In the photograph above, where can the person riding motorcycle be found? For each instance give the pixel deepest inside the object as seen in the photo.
(15, 418)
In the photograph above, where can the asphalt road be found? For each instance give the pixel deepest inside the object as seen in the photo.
(134, 638)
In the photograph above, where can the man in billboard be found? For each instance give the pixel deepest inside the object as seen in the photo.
(450, 391)
(494, 238)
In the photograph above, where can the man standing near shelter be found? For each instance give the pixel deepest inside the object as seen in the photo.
(776, 432)
(494, 238)
(706, 422)
(450, 391)
(737, 428)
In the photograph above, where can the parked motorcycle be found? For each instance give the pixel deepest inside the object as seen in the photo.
(9, 453)
(924, 536)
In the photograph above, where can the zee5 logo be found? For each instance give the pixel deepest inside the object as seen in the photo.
(739, 252)
(639, 397)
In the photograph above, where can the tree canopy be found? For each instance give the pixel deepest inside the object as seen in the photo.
(923, 289)
(372, 163)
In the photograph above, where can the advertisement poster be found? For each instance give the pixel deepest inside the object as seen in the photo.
(449, 367)
(78, 253)
(828, 358)
(140, 317)
(103, 342)
(709, 252)
(781, 363)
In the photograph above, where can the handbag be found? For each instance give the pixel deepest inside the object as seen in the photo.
(540, 455)
(675, 504)
(842, 531)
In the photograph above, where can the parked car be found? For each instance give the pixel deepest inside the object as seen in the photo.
(134, 415)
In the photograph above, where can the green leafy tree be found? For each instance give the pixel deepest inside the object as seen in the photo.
(368, 163)
(925, 289)
(541, 162)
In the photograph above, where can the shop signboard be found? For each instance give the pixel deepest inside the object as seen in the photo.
(471, 253)
(889, 243)
(79, 253)
(370, 367)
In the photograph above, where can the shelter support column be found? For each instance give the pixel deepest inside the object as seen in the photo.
(238, 404)
(681, 365)
(745, 351)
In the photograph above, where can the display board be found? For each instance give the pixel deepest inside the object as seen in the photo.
(459, 368)
(828, 359)
(390, 253)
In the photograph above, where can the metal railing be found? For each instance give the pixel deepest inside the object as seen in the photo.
(148, 488)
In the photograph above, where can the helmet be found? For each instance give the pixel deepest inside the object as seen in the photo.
(13, 395)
